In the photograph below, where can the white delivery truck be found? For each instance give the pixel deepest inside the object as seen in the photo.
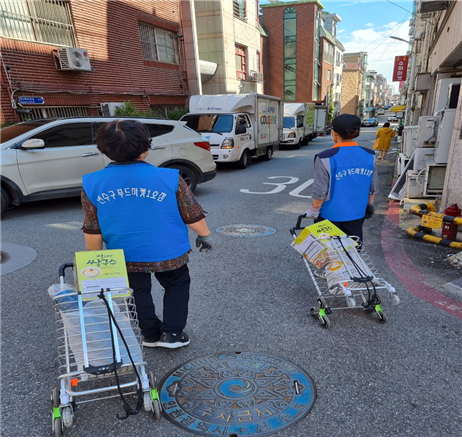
(320, 119)
(294, 125)
(237, 126)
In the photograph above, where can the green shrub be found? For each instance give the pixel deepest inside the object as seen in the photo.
(129, 109)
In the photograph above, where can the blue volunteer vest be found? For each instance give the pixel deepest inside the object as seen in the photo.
(138, 211)
(351, 170)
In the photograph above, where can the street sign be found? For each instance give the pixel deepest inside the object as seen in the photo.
(400, 68)
(31, 100)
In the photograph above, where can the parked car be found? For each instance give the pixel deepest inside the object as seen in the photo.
(370, 122)
(381, 112)
(385, 107)
(392, 118)
(46, 158)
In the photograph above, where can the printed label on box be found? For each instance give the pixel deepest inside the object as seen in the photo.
(104, 269)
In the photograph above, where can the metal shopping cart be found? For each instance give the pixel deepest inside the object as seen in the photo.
(344, 276)
(99, 352)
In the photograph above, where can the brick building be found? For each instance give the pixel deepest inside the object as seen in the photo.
(354, 83)
(135, 53)
(294, 67)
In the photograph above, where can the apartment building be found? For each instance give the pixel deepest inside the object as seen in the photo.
(330, 24)
(354, 83)
(62, 58)
(223, 41)
(299, 57)
(433, 85)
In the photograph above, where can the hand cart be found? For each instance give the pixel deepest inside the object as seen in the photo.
(99, 352)
(344, 277)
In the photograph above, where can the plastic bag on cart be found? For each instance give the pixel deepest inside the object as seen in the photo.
(97, 331)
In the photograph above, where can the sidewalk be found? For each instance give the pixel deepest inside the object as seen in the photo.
(422, 267)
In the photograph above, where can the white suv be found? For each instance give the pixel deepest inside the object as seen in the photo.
(46, 158)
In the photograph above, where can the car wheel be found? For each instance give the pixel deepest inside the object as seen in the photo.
(188, 175)
(245, 160)
(5, 200)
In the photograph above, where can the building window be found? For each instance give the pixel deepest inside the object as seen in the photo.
(158, 44)
(329, 75)
(239, 9)
(241, 65)
(258, 62)
(290, 54)
(46, 21)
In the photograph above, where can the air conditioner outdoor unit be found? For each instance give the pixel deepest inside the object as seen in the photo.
(443, 141)
(256, 76)
(108, 109)
(432, 5)
(409, 139)
(71, 58)
(428, 130)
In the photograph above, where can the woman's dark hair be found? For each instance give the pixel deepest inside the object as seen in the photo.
(123, 141)
(347, 126)
(387, 124)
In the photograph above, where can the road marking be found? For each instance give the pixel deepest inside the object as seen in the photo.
(279, 186)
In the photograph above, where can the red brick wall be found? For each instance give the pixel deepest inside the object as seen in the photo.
(274, 74)
(109, 31)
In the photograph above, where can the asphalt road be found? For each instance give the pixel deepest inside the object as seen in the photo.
(401, 378)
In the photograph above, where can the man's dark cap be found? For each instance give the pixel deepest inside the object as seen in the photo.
(347, 126)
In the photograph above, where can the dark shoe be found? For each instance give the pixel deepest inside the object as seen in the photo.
(152, 342)
(172, 341)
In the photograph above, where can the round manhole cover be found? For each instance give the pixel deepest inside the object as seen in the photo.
(236, 394)
(246, 230)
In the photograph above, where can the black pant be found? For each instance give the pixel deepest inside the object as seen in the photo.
(350, 228)
(176, 298)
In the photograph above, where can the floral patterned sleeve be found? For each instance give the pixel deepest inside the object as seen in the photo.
(90, 222)
(190, 209)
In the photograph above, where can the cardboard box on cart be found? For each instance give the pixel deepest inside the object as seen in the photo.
(103, 269)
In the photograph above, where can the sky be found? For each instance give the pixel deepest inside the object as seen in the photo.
(367, 25)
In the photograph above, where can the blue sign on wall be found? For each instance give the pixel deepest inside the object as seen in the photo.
(31, 100)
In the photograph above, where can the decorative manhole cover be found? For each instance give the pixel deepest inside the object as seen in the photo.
(246, 230)
(236, 394)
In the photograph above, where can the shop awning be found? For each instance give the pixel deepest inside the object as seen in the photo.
(397, 109)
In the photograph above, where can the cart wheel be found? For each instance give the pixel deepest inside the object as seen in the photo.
(55, 397)
(378, 299)
(57, 427)
(67, 415)
(147, 401)
(314, 313)
(381, 316)
(156, 409)
(325, 321)
(155, 403)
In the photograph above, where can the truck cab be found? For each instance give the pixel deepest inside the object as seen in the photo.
(237, 126)
(294, 125)
(228, 133)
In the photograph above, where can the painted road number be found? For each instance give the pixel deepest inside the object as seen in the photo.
(280, 186)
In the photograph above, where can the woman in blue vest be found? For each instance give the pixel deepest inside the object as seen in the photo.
(146, 211)
(344, 179)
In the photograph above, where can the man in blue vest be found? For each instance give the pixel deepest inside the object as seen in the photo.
(146, 211)
(344, 179)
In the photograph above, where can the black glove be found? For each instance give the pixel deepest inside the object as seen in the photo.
(204, 242)
(369, 211)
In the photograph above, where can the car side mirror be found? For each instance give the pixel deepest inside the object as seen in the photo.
(240, 129)
(33, 143)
